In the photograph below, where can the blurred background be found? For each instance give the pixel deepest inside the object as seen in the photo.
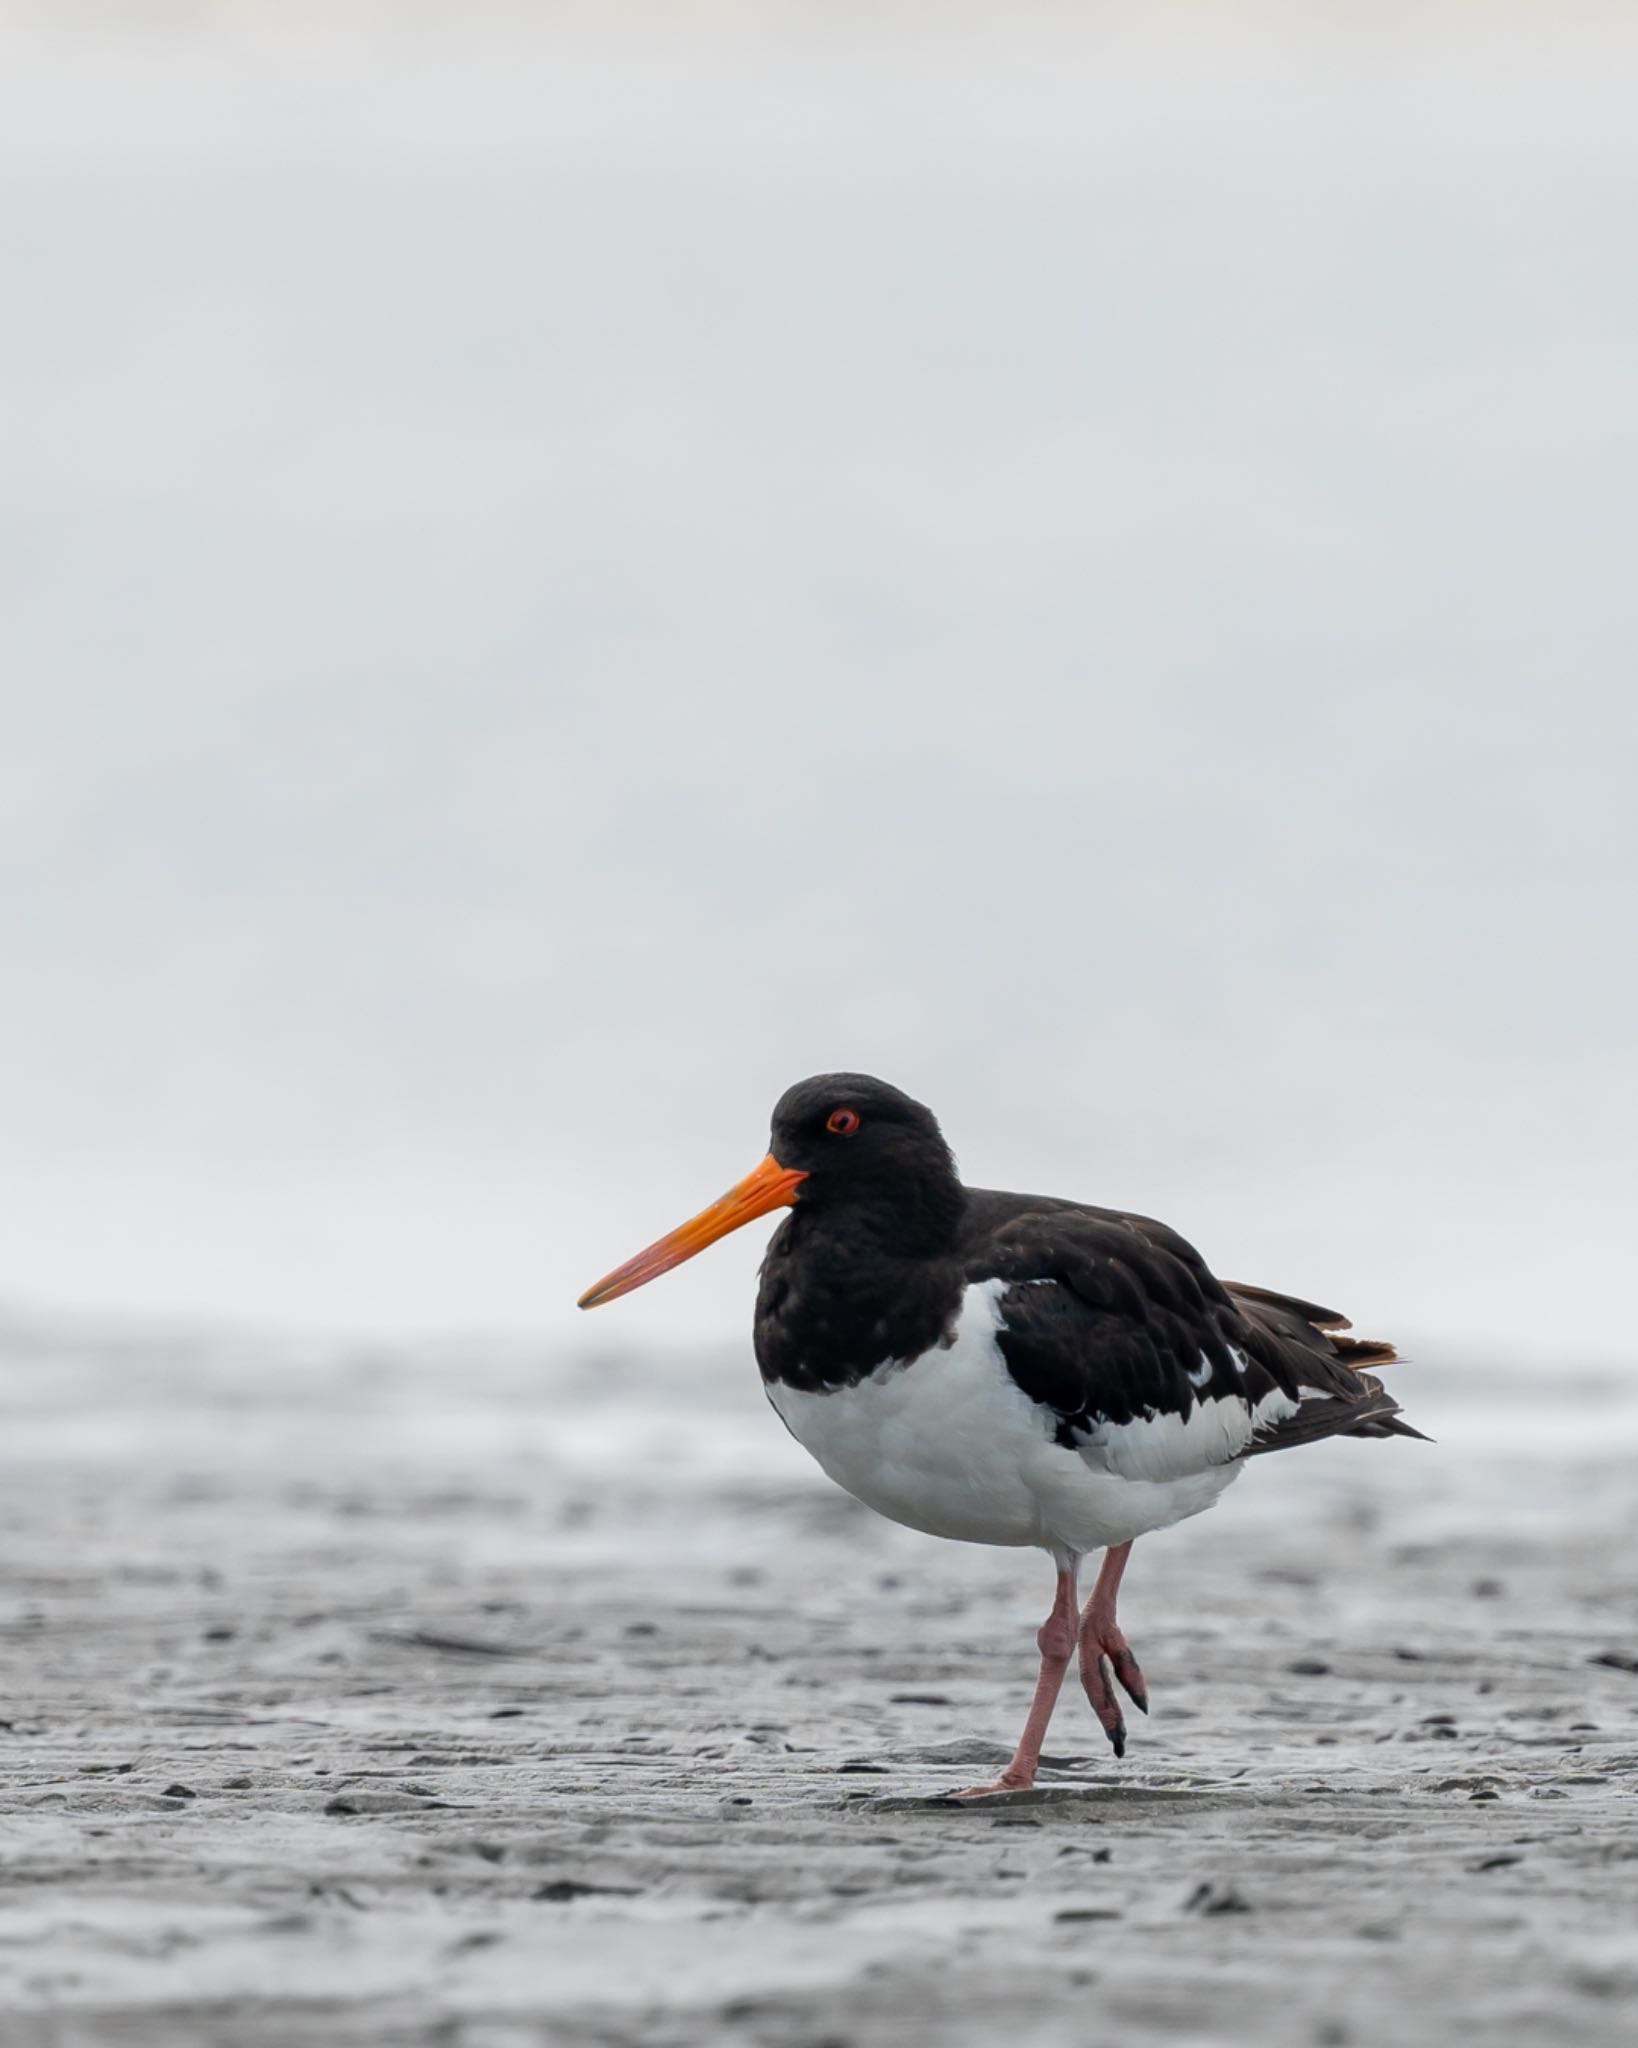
(564, 567)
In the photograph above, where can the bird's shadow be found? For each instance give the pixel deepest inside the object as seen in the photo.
(1037, 1795)
(1100, 1791)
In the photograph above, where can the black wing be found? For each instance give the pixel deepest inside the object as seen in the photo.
(1116, 1325)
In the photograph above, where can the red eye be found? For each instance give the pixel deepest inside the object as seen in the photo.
(844, 1122)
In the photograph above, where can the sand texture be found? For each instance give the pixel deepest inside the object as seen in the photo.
(470, 1696)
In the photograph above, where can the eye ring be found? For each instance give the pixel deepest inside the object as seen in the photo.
(842, 1123)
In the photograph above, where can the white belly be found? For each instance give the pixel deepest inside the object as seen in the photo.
(949, 1443)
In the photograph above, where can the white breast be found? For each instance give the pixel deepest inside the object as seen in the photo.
(949, 1443)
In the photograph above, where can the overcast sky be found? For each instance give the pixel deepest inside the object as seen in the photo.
(557, 580)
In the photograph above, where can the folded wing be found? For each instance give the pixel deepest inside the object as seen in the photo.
(1152, 1368)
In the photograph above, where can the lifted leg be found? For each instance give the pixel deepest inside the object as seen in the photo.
(1056, 1641)
(1105, 1649)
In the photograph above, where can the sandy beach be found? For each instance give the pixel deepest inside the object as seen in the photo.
(468, 1695)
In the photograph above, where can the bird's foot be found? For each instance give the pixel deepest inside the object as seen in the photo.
(1106, 1657)
(1007, 1782)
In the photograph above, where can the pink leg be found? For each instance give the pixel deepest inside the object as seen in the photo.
(1103, 1646)
(1056, 1642)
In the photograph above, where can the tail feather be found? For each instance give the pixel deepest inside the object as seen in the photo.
(1305, 1311)
(1362, 1351)
(1375, 1413)
(1339, 1396)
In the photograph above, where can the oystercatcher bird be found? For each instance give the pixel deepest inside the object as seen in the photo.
(1014, 1369)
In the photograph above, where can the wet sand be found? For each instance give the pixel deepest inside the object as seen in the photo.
(473, 1696)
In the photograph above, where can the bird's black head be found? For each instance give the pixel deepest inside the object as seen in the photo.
(863, 1143)
(841, 1144)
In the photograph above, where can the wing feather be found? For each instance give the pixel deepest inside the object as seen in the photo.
(1151, 1366)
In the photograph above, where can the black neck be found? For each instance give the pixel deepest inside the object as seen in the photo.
(846, 1290)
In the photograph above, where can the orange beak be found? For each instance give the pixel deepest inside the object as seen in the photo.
(766, 1187)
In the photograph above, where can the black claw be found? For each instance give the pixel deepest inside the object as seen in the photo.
(1100, 1693)
(1126, 1670)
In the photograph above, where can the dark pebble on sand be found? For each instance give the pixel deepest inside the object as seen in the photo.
(559, 1890)
(349, 1803)
(1210, 1897)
